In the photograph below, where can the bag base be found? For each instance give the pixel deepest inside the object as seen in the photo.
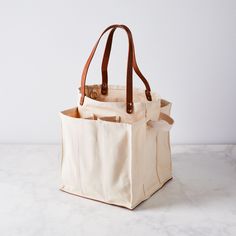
(65, 189)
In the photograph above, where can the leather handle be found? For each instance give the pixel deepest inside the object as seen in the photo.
(105, 62)
(130, 65)
(129, 80)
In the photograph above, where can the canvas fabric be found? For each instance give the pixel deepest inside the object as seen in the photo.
(115, 142)
(114, 157)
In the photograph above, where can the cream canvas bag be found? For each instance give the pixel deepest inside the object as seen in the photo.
(116, 141)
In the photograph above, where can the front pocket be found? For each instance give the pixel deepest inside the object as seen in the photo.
(96, 157)
(113, 149)
(78, 136)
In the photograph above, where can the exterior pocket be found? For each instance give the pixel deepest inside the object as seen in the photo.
(78, 134)
(96, 158)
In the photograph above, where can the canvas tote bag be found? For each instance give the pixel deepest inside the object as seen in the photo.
(115, 143)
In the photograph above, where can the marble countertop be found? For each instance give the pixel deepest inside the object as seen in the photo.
(200, 200)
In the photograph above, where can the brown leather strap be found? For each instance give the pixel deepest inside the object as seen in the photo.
(166, 118)
(105, 61)
(129, 80)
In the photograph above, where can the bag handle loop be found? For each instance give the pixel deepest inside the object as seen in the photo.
(164, 123)
(129, 80)
(105, 62)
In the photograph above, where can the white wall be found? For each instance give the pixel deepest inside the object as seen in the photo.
(186, 49)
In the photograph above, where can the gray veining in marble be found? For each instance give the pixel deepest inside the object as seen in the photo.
(200, 200)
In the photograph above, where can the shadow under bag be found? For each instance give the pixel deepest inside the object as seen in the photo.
(115, 143)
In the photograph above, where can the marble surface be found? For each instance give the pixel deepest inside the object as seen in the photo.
(200, 200)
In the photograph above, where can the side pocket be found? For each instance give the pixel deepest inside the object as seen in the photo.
(70, 174)
(96, 157)
(80, 166)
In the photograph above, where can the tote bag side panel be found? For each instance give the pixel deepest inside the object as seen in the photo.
(152, 179)
(137, 163)
(164, 163)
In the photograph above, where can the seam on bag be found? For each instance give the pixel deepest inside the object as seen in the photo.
(131, 164)
(144, 191)
(158, 177)
(98, 152)
(76, 161)
(98, 200)
(170, 152)
(146, 114)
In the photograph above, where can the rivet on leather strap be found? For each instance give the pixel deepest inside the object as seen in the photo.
(104, 89)
(130, 107)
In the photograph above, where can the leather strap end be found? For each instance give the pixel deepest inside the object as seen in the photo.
(130, 107)
(166, 118)
(81, 100)
(148, 95)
